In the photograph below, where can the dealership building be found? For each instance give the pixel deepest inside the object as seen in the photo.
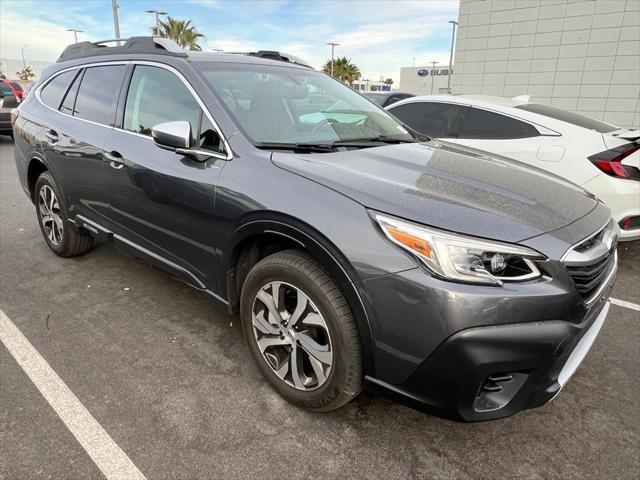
(424, 80)
(582, 55)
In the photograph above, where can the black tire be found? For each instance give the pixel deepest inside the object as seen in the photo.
(344, 381)
(73, 241)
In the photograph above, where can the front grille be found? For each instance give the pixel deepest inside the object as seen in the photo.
(592, 262)
(588, 278)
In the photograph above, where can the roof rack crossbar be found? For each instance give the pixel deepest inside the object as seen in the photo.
(154, 45)
(274, 55)
(110, 40)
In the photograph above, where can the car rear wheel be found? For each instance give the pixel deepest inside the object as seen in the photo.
(61, 236)
(301, 331)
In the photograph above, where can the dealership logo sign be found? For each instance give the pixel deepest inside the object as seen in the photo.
(423, 72)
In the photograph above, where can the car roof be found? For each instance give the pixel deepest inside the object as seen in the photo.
(394, 92)
(480, 100)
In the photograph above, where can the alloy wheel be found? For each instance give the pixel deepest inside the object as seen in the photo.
(50, 214)
(292, 335)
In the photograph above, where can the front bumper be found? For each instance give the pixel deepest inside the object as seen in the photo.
(489, 372)
(533, 360)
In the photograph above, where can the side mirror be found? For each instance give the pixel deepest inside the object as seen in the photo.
(172, 135)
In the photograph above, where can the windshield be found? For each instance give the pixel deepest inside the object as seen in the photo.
(295, 106)
(569, 117)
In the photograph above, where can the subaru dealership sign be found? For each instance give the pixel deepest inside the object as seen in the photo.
(423, 72)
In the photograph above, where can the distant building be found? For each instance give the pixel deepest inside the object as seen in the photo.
(10, 67)
(582, 56)
(424, 80)
(369, 86)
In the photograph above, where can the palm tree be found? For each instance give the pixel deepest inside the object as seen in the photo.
(389, 81)
(343, 70)
(26, 73)
(183, 32)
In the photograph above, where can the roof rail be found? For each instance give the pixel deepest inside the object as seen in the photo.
(157, 45)
(274, 55)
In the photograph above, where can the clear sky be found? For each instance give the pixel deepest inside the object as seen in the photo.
(378, 36)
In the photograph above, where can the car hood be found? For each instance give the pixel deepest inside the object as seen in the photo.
(448, 187)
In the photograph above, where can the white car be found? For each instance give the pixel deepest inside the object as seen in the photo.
(602, 158)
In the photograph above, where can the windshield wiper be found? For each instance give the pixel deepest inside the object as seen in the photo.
(371, 141)
(332, 145)
(297, 147)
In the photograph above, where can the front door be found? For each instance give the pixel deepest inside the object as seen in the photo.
(160, 202)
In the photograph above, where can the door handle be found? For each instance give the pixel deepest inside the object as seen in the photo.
(52, 136)
(114, 158)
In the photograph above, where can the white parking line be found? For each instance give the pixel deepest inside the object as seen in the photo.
(107, 455)
(625, 304)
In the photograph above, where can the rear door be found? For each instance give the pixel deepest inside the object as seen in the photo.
(511, 137)
(434, 119)
(160, 202)
(82, 105)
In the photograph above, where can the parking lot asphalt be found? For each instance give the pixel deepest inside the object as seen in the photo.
(170, 379)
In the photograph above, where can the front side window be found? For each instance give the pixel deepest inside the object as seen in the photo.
(158, 96)
(53, 91)
(436, 120)
(284, 105)
(208, 139)
(482, 124)
(98, 94)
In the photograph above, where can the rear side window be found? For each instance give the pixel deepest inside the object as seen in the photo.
(436, 120)
(53, 91)
(98, 94)
(157, 96)
(482, 124)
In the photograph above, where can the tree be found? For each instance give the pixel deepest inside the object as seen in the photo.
(343, 70)
(389, 81)
(183, 32)
(26, 73)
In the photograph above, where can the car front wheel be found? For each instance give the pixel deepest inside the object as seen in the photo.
(301, 331)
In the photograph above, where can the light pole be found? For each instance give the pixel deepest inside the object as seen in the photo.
(453, 37)
(157, 14)
(433, 67)
(333, 46)
(24, 62)
(116, 21)
(75, 32)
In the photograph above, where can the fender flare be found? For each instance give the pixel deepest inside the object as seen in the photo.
(323, 250)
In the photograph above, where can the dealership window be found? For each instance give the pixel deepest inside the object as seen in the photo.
(98, 94)
(53, 91)
(482, 124)
(436, 120)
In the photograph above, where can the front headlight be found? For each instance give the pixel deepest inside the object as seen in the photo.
(461, 258)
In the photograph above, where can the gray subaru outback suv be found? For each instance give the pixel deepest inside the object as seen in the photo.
(357, 256)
